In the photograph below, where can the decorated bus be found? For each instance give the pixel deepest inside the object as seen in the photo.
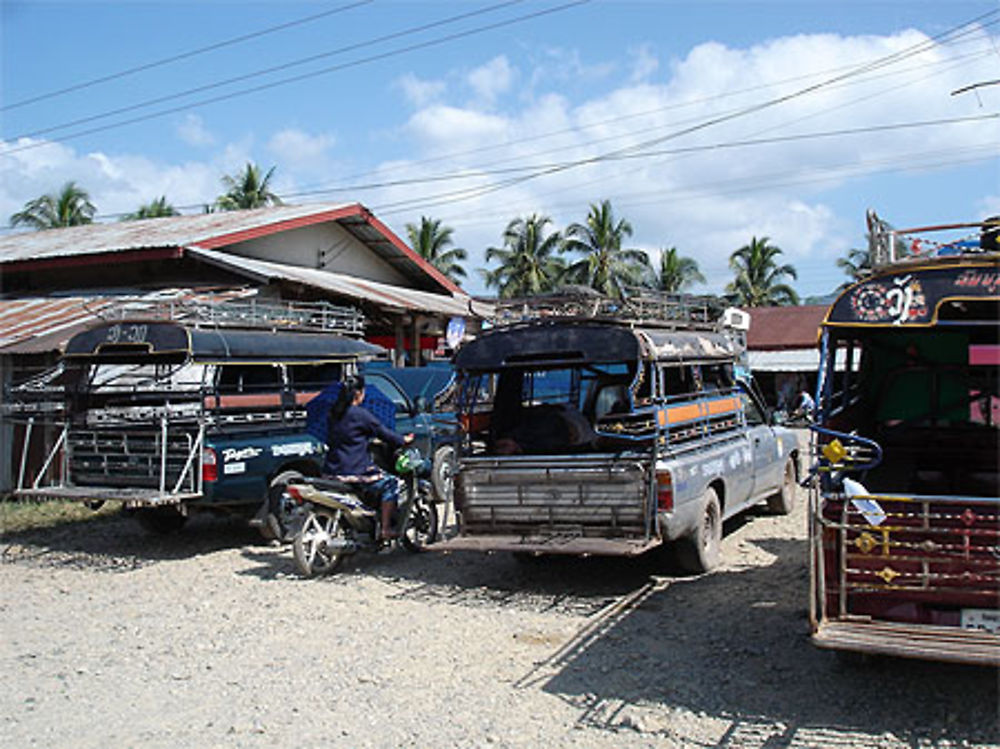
(905, 501)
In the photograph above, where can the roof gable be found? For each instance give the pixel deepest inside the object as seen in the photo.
(34, 250)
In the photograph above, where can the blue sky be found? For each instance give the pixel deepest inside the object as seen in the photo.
(705, 123)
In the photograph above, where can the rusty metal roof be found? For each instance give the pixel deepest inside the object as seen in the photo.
(40, 325)
(215, 231)
(386, 296)
(777, 328)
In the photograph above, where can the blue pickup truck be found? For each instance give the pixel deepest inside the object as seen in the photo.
(170, 418)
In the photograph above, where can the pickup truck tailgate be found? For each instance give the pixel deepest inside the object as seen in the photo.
(568, 497)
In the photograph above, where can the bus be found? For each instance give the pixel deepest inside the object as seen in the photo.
(905, 497)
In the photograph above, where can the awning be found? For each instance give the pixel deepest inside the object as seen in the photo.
(384, 295)
(790, 360)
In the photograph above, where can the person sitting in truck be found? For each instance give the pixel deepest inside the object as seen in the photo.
(348, 457)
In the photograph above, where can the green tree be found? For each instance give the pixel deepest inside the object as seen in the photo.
(676, 273)
(759, 279)
(433, 243)
(71, 206)
(528, 260)
(604, 265)
(857, 264)
(158, 208)
(247, 189)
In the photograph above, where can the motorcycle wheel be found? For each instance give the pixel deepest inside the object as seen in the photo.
(309, 547)
(422, 528)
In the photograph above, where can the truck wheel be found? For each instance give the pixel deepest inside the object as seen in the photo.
(700, 551)
(783, 502)
(443, 473)
(275, 525)
(160, 520)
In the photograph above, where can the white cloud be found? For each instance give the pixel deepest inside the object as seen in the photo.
(296, 150)
(192, 131)
(491, 80)
(419, 92)
(644, 63)
(710, 202)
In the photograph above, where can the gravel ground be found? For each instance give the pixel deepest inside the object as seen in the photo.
(110, 638)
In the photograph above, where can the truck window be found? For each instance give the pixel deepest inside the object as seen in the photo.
(313, 376)
(249, 378)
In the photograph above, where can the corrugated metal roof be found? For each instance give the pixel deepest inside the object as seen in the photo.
(42, 324)
(216, 230)
(37, 325)
(775, 328)
(381, 294)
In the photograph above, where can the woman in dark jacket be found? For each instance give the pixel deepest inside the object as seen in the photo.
(348, 455)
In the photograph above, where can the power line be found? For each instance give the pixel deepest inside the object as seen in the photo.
(303, 76)
(183, 55)
(857, 71)
(474, 173)
(266, 71)
(478, 169)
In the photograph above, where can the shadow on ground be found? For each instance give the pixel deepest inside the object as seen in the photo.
(734, 645)
(117, 542)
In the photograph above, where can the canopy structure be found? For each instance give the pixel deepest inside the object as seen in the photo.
(128, 338)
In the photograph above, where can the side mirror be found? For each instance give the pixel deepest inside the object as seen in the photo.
(420, 404)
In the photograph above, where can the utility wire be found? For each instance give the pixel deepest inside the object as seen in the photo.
(265, 71)
(479, 173)
(859, 70)
(303, 76)
(183, 55)
(450, 155)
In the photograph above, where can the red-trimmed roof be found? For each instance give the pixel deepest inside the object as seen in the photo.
(780, 328)
(57, 247)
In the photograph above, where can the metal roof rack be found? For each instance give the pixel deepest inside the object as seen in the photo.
(639, 306)
(888, 245)
(213, 311)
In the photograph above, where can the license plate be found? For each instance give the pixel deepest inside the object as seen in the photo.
(987, 620)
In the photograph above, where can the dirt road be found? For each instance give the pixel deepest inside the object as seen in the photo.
(110, 638)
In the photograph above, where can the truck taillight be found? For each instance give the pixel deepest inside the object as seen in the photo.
(209, 465)
(664, 491)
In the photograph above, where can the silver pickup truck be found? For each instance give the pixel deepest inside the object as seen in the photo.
(602, 438)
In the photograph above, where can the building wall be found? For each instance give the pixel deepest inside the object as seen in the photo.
(324, 246)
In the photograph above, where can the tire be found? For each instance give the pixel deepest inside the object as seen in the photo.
(783, 502)
(701, 550)
(160, 520)
(275, 523)
(422, 527)
(443, 473)
(312, 557)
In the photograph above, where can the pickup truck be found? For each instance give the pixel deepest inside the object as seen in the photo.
(599, 437)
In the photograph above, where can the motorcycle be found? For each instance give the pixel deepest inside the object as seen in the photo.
(334, 522)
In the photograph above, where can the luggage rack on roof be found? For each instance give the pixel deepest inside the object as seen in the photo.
(888, 245)
(208, 311)
(640, 307)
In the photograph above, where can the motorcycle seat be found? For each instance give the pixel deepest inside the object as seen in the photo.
(332, 485)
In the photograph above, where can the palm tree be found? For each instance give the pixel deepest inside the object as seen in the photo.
(857, 264)
(759, 278)
(431, 241)
(247, 189)
(605, 266)
(158, 208)
(71, 206)
(676, 273)
(528, 261)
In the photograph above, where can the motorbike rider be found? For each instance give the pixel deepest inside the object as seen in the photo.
(348, 457)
